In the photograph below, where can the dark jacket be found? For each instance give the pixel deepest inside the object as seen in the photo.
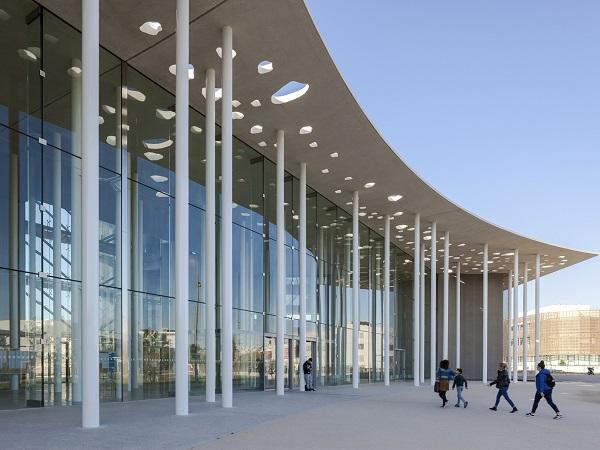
(459, 380)
(307, 367)
(502, 380)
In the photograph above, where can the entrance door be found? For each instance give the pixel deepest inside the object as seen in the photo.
(270, 364)
(290, 360)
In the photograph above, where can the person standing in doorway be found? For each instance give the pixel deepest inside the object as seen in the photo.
(502, 382)
(544, 384)
(460, 383)
(444, 375)
(308, 379)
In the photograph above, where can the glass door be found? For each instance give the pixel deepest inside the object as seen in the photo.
(270, 365)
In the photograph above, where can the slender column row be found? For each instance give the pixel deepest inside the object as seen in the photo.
(302, 255)
(458, 313)
(416, 300)
(280, 380)
(355, 290)
(386, 302)
(433, 306)
(516, 317)
(484, 358)
(422, 315)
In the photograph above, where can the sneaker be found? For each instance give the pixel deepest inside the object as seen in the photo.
(493, 408)
(466, 404)
(558, 416)
(530, 414)
(514, 410)
(457, 406)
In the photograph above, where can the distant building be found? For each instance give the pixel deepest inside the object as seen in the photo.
(569, 337)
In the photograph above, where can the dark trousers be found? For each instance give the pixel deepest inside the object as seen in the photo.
(442, 395)
(503, 392)
(548, 397)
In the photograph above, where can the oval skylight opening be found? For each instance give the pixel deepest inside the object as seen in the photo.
(262, 144)
(191, 74)
(111, 140)
(100, 120)
(151, 28)
(108, 109)
(218, 93)
(265, 67)
(237, 115)
(256, 129)
(256, 103)
(161, 195)
(324, 170)
(27, 54)
(157, 144)
(219, 51)
(164, 114)
(348, 178)
(236, 103)
(153, 156)
(334, 155)
(398, 213)
(136, 95)
(195, 129)
(394, 198)
(369, 185)
(290, 92)
(307, 129)
(158, 178)
(313, 145)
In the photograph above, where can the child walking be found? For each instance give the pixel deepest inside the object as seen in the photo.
(460, 383)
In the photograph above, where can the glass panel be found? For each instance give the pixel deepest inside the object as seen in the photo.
(247, 269)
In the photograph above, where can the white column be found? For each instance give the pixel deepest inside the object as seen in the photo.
(182, 270)
(537, 309)
(76, 247)
(226, 221)
(516, 318)
(422, 315)
(302, 256)
(355, 290)
(458, 313)
(416, 299)
(210, 239)
(90, 212)
(525, 321)
(446, 290)
(280, 377)
(509, 353)
(386, 302)
(433, 305)
(484, 358)
(56, 271)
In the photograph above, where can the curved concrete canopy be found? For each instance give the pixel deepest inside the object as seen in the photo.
(283, 32)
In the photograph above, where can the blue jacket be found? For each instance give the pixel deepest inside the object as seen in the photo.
(445, 374)
(540, 381)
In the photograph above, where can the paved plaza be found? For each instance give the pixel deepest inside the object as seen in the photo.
(374, 417)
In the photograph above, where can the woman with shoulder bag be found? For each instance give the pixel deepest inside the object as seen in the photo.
(443, 377)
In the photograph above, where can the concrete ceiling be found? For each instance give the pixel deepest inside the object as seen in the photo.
(282, 31)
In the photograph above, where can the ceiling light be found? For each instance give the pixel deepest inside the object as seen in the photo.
(236, 115)
(153, 156)
(173, 70)
(265, 67)
(164, 114)
(394, 198)
(307, 129)
(256, 103)
(369, 185)
(195, 129)
(219, 51)
(334, 154)
(151, 28)
(218, 93)
(289, 92)
(256, 129)
(158, 178)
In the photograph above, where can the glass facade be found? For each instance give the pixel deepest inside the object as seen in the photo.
(40, 241)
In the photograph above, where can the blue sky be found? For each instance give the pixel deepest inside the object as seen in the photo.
(496, 104)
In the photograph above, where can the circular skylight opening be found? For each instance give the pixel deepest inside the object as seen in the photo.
(265, 67)
(237, 115)
(289, 92)
(394, 198)
(173, 70)
(334, 155)
(313, 145)
(348, 179)
(256, 129)
(369, 185)
(151, 28)
(307, 129)
(324, 170)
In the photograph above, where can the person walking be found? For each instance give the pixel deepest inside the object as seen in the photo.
(443, 376)
(460, 383)
(502, 382)
(308, 379)
(544, 385)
